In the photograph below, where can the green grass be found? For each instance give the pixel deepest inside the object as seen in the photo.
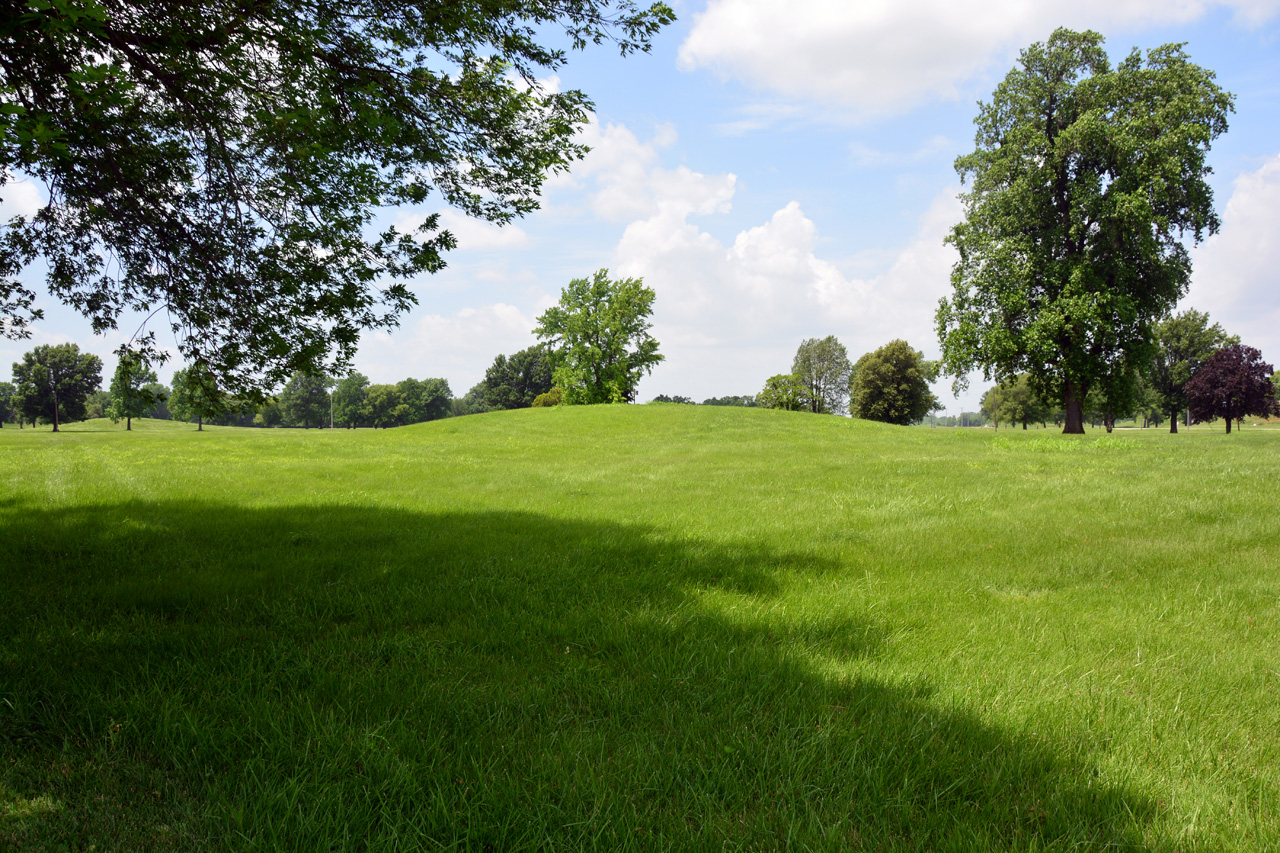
(639, 627)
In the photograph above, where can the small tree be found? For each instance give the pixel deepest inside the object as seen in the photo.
(891, 385)
(599, 334)
(1014, 402)
(130, 397)
(783, 391)
(822, 367)
(425, 400)
(55, 381)
(1234, 383)
(1184, 342)
(196, 395)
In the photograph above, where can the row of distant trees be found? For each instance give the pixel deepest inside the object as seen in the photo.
(1197, 372)
(889, 384)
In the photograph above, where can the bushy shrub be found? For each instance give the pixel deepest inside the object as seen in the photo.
(554, 397)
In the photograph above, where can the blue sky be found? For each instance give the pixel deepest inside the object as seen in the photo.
(782, 171)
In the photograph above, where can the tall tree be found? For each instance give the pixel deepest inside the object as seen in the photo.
(197, 155)
(1084, 182)
(305, 400)
(7, 409)
(54, 381)
(130, 397)
(599, 334)
(384, 407)
(891, 385)
(1234, 383)
(425, 400)
(349, 400)
(822, 366)
(513, 383)
(196, 395)
(1184, 342)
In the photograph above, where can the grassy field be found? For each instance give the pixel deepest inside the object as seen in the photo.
(639, 627)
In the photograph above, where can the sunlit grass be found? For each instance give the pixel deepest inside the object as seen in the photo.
(655, 627)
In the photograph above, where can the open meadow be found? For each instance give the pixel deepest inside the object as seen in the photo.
(639, 628)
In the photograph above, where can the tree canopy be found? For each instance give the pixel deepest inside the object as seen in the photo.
(219, 164)
(891, 385)
(599, 334)
(1085, 180)
(784, 391)
(1234, 383)
(1184, 342)
(132, 394)
(1015, 402)
(822, 367)
(54, 381)
(514, 383)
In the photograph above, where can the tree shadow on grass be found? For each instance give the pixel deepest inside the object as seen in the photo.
(182, 675)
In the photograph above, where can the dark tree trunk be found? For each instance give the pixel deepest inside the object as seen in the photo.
(1173, 422)
(1228, 426)
(55, 411)
(1072, 400)
(1024, 424)
(199, 423)
(128, 423)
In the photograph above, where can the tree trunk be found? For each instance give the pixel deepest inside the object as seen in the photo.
(1173, 422)
(55, 411)
(1024, 424)
(1072, 398)
(128, 423)
(199, 423)
(1228, 426)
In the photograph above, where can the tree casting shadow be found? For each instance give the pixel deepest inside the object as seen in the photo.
(182, 675)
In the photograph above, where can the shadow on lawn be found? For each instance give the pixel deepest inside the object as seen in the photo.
(180, 675)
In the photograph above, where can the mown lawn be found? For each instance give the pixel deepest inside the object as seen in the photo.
(639, 627)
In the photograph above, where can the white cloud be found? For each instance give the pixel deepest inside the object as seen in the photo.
(458, 346)
(19, 198)
(884, 57)
(729, 316)
(471, 234)
(1234, 275)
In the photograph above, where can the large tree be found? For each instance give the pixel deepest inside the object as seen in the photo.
(1184, 342)
(599, 337)
(1234, 383)
(1085, 180)
(8, 412)
(305, 400)
(425, 400)
(513, 383)
(220, 163)
(131, 394)
(55, 380)
(822, 366)
(891, 385)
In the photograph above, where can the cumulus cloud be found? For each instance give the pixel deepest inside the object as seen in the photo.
(730, 315)
(1234, 272)
(883, 57)
(457, 346)
(19, 198)
(471, 234)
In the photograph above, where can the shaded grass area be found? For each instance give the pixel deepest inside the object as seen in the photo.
(635, 630)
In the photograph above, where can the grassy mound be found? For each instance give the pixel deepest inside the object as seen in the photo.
(638, 628)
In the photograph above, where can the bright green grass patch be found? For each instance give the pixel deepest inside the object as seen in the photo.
(638, 628)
